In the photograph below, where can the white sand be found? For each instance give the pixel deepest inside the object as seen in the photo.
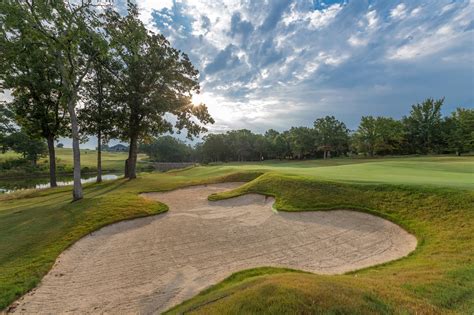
(150, 264)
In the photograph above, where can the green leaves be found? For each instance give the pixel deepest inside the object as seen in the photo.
(332, 134)
(380, 135)
(423, 126)
(155, 80)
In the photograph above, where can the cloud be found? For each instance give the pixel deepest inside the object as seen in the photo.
(240, 28)
(225, 59)
(399, 12)
(275, 64)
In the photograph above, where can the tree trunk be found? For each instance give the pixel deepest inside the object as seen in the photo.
(76, 153)
(131, 162)
(99, 157)
(52, 162)
(126, 167)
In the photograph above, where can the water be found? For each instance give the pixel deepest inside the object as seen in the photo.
(11, 185)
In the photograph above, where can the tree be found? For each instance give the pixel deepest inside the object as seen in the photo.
(66, 30)
(301, 140)
(261, 146)
(98, 116)
(367, 135)
(215, 148)
(423, 126)
(458, 131)
(30, 148)
(281, 146)
(241, 144)
(391, 136)
(167, 149)
(155, 81)
(270, 136)
(6, 126)
(378, 135)
(35, 84)
(331, 135)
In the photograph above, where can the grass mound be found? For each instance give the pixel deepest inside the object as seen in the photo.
(36, 226)
(437, 278)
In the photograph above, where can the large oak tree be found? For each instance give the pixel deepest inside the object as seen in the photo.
(155, 86)
(332, 135)
(423, 126)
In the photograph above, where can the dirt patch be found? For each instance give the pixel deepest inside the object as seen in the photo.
(151, 264)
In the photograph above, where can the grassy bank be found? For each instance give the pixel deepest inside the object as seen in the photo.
(35, 227)
(437, 278)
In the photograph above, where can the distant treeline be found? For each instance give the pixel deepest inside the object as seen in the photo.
(423, 131)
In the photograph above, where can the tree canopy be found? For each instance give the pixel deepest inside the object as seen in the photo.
(155, 84)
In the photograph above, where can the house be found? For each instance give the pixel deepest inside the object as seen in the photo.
(118, 148)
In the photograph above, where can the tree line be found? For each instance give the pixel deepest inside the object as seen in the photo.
(79, 68)
(423, 131)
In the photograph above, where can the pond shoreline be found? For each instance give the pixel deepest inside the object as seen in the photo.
(38, 183)
(45, 175)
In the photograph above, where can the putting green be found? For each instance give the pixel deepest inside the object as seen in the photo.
(439, 171)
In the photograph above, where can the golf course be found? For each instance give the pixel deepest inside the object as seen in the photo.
(237, 157)
(430, 197)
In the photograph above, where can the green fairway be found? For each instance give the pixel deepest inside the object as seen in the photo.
(440, 171)
(435, 202)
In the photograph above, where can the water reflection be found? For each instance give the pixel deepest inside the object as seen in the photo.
(11, 185)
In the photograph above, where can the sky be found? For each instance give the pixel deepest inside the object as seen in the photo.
(281, 63)
(277, 64)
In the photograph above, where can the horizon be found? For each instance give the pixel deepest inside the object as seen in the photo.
(287, 63)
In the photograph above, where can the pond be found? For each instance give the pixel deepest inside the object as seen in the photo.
(11, 185)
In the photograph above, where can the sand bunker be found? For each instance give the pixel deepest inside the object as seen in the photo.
(148, 265)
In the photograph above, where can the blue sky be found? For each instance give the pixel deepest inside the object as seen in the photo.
(276, 64)
(282, 63)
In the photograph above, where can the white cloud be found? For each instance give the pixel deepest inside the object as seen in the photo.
(317, 18)
(315, 61)
(399, 12)
(372, 19)
(416, 11)
(428, 39)
(322, 18)
(146, 8)
(357, 41)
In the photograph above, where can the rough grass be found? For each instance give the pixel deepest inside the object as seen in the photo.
(36, 226)
(437, 278)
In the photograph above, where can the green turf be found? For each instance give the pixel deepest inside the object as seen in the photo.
(437, 278)
(35, 227)
(441, 171)
(111, 161)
